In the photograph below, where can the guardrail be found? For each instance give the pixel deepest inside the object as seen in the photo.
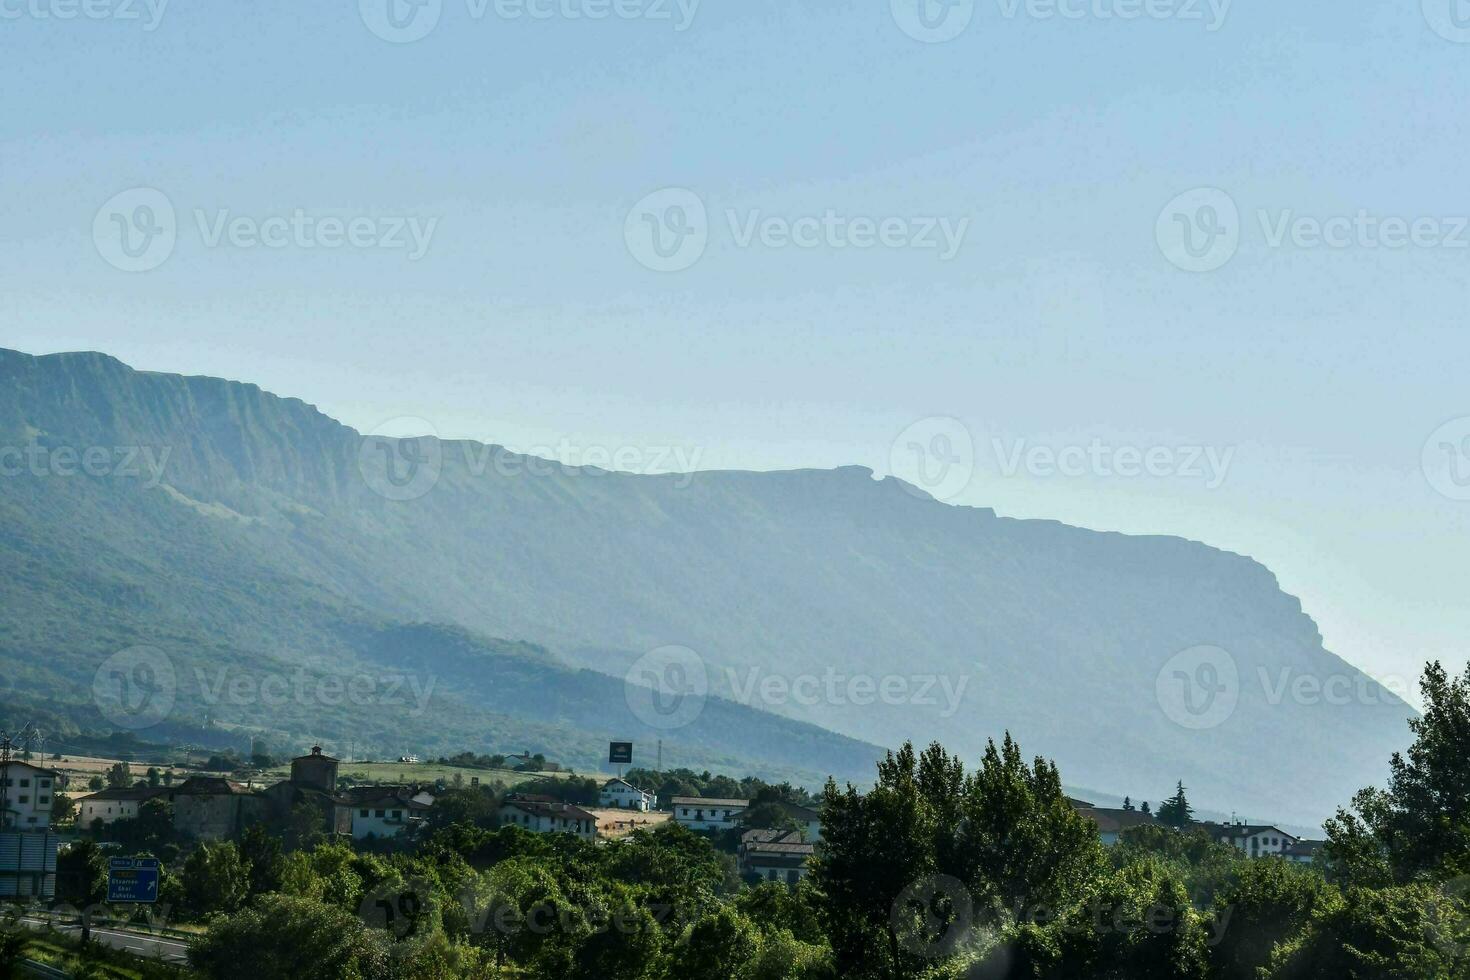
(43, 970)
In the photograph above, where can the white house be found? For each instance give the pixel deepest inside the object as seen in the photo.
(26, 792)
(619, 794)
(111, 805)
(384, 811)
(545, 817)
(698, 813)
(1255, 840)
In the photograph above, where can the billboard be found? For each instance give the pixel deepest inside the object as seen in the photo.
(620, 753)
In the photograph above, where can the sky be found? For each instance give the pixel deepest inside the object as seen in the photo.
(1193, 267)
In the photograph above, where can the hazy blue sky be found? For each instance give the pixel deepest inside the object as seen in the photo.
(520, 140)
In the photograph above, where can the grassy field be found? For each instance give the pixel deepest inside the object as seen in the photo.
(79, 770)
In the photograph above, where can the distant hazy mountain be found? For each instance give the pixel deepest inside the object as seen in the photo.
(270, 535)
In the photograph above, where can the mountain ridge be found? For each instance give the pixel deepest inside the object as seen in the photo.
(787, 573)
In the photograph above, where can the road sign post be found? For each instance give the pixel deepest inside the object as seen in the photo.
(132, 881)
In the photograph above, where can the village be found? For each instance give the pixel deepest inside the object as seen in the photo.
(773, 839)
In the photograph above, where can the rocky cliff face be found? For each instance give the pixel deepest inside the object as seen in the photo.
(856, 604)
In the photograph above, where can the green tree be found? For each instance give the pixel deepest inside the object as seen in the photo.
(1271, 902)
(1139, 924)
(63, 809)
(1176, 811)
(81, 874)
(1419, 828)
(215, 879)
(717, 947)
(301, 938)
(904, 865)
(120, 776)
(264, 863)
(12, 950)
(1413, 932)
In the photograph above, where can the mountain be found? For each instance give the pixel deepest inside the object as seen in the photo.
(264, 533)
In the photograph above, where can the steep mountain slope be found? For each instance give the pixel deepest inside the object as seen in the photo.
(275, 530)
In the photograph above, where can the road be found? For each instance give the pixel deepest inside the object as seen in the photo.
(137, 943)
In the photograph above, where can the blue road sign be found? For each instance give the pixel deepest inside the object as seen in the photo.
(132, 880)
